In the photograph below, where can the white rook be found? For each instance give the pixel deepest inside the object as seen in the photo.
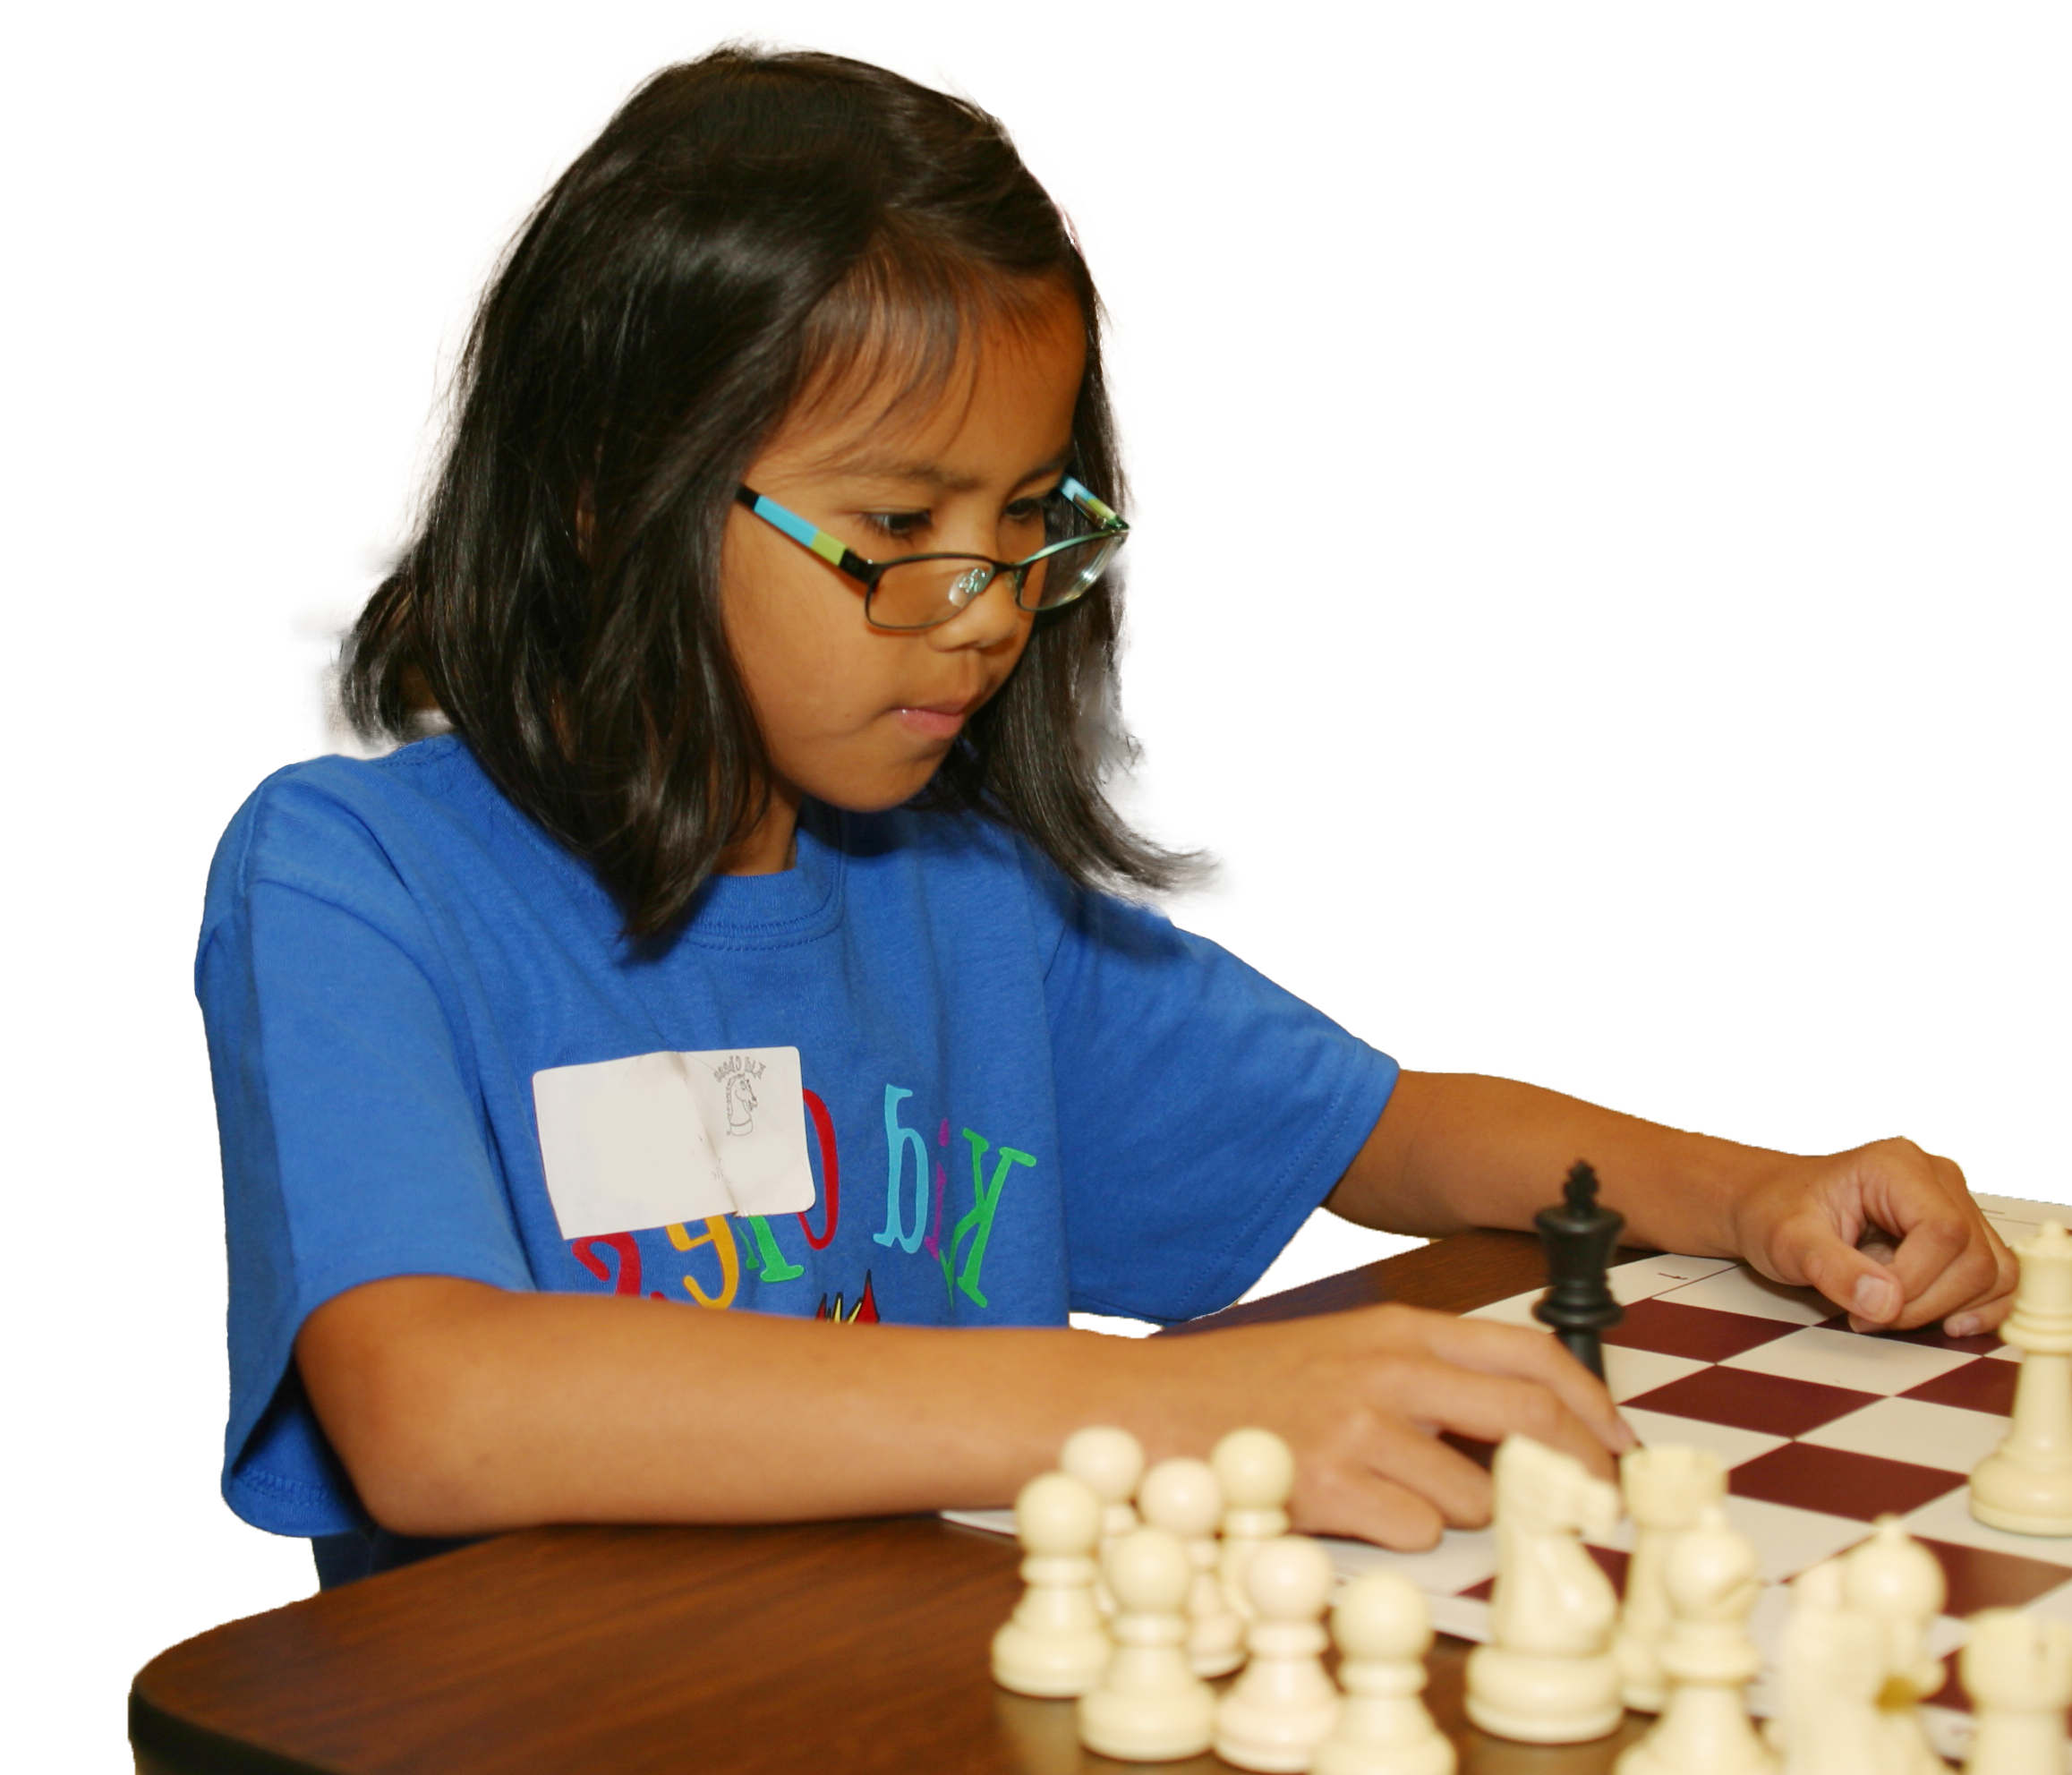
(2026, 1484)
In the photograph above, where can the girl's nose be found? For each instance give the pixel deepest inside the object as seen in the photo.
(988, 618)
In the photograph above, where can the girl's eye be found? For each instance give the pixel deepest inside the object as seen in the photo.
(1026, 511)
(896, 526)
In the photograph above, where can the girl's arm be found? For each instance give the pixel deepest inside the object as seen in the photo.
(459, 1408)
(1887, 1231)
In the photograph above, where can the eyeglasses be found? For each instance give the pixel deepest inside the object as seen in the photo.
(921, 591)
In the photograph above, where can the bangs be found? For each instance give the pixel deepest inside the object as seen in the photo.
(898, 330)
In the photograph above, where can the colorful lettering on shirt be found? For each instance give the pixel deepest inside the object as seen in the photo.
(933, 1244)
(865, 1311)
(770, 1264)
(978, 1222)
(830, 1173)
(628, 1254)
(898, 1138)
(720, 1235)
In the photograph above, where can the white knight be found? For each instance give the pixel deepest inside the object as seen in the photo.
(1547, 1676)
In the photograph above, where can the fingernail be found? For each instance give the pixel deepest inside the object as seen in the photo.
(1876, 1298)
(1965, 1325)
(1624, 1440)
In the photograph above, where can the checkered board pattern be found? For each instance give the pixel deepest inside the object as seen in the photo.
(1821, 1430)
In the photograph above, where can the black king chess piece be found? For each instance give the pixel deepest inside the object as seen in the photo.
(1579, 1236)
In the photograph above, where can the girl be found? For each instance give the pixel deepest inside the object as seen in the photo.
(750, 955)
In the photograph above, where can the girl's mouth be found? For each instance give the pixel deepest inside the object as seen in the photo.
(942, 722)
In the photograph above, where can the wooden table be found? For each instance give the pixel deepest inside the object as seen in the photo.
(825, 1648)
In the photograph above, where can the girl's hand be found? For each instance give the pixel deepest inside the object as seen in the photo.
(1362, 1398)
(1888, 1233)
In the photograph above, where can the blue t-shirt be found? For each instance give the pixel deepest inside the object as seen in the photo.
(1017, 1097)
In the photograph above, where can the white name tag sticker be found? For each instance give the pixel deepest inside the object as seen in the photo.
(673, 1137)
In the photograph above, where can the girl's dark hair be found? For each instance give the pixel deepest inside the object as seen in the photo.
(747, 226)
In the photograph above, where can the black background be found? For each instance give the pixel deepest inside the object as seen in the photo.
(1575, 585)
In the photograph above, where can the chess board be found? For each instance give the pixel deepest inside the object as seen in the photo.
(1821, 1430)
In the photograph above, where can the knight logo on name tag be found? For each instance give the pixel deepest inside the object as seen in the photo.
(673, 1137)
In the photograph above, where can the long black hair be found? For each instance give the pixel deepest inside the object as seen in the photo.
(747, 224)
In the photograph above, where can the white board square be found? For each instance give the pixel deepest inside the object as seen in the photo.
(1788, 1539)
(1845, 1359)
(2053, 1605)
(1739, 1290)
(1660, 1429)
(1462, 1560)
(1913, 1430)
(1950, 1518)
(1650, 1277)
(1629, 1373)
(672, 1137)
(1514, 1309)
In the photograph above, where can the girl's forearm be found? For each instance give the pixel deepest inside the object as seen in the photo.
(1454, 1150)
(459, 1408)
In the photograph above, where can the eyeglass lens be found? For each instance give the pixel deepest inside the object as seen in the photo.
(920, 594)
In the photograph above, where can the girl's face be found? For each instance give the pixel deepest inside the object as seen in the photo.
(860, 717)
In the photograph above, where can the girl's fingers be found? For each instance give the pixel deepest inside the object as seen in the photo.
(1536, 1356)
(1486, 1408)
(1370, 1507)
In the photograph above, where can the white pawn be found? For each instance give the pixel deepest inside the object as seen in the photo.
(1053, 1643)
(1148, 1707)
(1547, 1676)
(1832, 1663)
(1712, 1583)
(1183, 1498)
(1111, 1461)
(1256, 1472)
(2018, 1670)
(2026, 1485)
(1283, 1706)
(1383, 1628)
(1666, 1490)
(1894, 1581)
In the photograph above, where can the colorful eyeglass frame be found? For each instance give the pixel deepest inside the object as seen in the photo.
(1108, 525)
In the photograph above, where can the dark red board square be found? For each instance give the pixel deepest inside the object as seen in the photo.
(1979, 1579)
(1610, 1561)
(1672, 1331)
(1839, 1483)
(1976, 1386)
(1770, 1402)
(1929, 1336)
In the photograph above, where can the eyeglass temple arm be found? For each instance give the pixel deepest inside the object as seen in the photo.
(830, 548)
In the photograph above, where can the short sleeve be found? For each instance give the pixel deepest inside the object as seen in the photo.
(354, 1148)
(1204, 1111)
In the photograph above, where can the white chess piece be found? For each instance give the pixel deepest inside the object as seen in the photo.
(2026, 1485)
(1547, 1676)
(1832, 1665)
(1666, 1490)
(1383, 1628)
(2018, 1670)
(1183, 1498)
(1053, 1644)
(1111, 1461)
(1148, 1706)
(1256, 1472)
(1283, 1706)
(1894, 1581)
(1711, 1581)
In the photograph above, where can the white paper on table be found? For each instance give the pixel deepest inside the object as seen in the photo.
(673, 1137)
